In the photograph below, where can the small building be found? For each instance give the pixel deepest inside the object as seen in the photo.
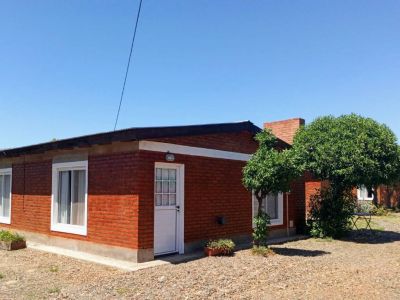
(137, 193)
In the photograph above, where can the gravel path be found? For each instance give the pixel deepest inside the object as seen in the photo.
(360, 267)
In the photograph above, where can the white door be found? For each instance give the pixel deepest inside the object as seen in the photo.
(168, 208)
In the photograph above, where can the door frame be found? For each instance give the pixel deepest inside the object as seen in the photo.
(180, 196)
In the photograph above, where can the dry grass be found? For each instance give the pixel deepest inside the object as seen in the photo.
(363, 266)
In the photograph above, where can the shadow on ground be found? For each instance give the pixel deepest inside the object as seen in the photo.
(298, 252)
(365, 236)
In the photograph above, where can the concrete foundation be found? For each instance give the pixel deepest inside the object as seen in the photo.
(132, 255)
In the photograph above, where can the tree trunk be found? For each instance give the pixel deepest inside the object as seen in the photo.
(375, 194)
(259, 199)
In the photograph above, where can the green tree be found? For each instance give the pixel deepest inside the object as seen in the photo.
(270, 170)
(348, 151)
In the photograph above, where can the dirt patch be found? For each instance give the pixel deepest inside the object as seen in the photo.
(364, 265)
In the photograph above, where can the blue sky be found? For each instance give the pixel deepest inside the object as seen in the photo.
(62, 63)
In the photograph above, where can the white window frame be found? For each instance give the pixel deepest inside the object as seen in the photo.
(365, 198)
(274, 222)
(7, 220)
(60, 227)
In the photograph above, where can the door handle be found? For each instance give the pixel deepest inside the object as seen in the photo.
(178, 208)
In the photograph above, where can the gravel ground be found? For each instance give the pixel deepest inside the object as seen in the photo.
(359, 267)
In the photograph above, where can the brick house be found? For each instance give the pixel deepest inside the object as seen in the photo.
(141, 192)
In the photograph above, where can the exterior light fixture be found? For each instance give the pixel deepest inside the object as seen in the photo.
(169, 156)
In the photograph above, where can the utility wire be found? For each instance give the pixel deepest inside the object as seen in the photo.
(127, 67)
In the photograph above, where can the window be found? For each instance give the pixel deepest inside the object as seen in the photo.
(365, 194)
(69, 204)
(165, 187)
(273, 206)
(5, 195)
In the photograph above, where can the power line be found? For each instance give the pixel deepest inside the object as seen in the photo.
(127, 67)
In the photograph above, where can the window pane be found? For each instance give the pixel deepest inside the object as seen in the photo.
(158, 187)
(164, 199)
(158, 200)
(165, 174)
(1, 194)
(6, 195)
(172, 174)
(363, 193)
(172, 186)
(165, 187)
(172, 199)
(158, 173)
(272, 206)
(78, 197)
(64, 197)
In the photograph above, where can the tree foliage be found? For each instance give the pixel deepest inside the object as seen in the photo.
(331, 213)
(348, 151)
(260, 232)
(269, 170)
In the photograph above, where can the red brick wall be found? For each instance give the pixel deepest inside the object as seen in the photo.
(389, 196)
(298, 203)
(112, 201)
(213, 187)
(286, 129)
(31, 199)
(237, 142)
(311, 187)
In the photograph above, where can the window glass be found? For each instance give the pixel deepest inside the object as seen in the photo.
(158, 174)
(5, 195)
(272, 206)
(165, 187)
(1, 194)
(71, 197)
(365, 194)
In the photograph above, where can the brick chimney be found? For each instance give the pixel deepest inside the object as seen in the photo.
(285, 129)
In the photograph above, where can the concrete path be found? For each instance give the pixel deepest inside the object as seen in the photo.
(98, 259)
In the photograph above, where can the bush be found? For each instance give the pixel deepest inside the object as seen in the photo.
(260, 231)
(365, 207)
(262, 251)
(226, 245)
(7, 236)
(331, 212)
(379, 211)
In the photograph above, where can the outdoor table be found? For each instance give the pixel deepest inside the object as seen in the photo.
(360, 215)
